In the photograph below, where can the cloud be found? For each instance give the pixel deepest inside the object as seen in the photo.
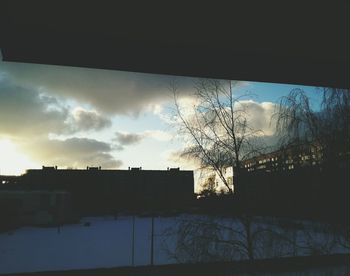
(72, 152)
(88, 120)
(109, 91)
(260, 115)
(29, 116)
(259, 118)
(26, 112)
(127, 139)
(159, 135)
(178, 159)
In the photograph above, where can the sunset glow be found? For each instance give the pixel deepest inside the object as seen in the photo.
(12, 161)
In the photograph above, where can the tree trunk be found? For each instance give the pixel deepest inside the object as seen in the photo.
(237, 184)
(250, 248)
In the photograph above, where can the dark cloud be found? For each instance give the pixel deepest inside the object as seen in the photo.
(28, 116)
(107, 90)
(27, 112)
(87, 120)
(127, 139)
(73, 152)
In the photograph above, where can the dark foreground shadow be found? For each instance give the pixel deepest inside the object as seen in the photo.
(338, 264)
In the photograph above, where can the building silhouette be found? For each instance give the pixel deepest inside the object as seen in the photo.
(97, 191)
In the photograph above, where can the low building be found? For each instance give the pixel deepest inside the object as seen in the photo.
(96, 191)
(35, 207)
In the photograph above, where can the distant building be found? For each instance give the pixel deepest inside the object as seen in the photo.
(284, 159)
(280, 160)
(218, 184)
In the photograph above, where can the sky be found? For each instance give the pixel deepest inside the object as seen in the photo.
(74, 117)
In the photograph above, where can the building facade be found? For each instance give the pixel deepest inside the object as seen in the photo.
(96, 191)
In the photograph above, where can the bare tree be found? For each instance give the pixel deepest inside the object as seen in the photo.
(326, 128)
(341, 234)
(208, 239)
(217, 130)
(203, 239)
(209, 186)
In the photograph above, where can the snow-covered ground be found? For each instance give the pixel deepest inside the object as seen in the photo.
(107, 242)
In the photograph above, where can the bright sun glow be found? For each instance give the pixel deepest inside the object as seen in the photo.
(11, 161)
